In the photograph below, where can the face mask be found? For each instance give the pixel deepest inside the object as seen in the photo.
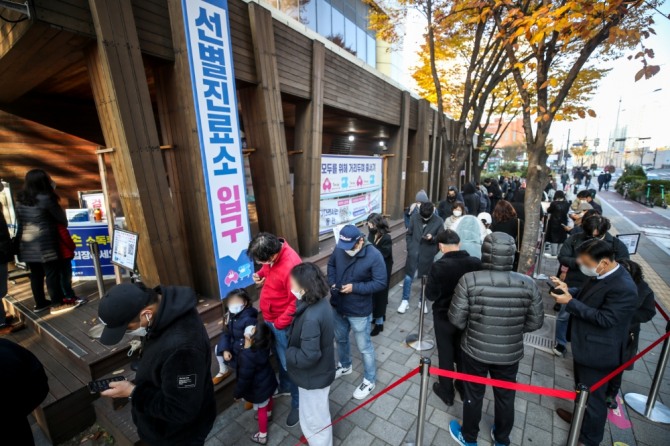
(373, 230)
(141, 331)
(450, 198)
(590, 272)
(457, 213)
(235, 309)
(353, 252)
(298, 294)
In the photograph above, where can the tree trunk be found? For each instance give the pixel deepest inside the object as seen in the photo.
(536, 180)
(452, 164)
(476, 169)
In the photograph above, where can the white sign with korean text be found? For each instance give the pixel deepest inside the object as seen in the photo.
(212, 76)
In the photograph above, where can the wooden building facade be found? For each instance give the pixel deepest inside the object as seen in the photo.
(115, 73)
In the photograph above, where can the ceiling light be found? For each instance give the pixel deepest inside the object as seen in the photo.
(351, 138)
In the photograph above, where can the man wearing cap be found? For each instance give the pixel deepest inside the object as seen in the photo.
(356, 270)
(172, 395)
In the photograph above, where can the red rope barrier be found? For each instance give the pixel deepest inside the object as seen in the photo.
(554, 393)
(662, 311)
(627, 364)
(411, 374)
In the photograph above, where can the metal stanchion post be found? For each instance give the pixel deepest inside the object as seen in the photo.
(648, 405)
(538, 264)
(95, 254)
(417, 341)
(423, 399)
(578, 415)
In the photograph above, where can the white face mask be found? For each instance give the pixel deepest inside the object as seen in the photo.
(141, 331)
(235, 309)
(457, 213)
(353, 252)
(590, 272)
(298, 294)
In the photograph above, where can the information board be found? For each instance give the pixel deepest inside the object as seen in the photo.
(351, 189)
(212, 77)
(124, 249)
(82, 263)
(631, 241)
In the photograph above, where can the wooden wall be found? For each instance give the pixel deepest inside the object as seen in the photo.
(26, 145)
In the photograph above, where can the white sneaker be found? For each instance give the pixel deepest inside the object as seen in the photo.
(404, 305)
(341, 371)
(425, 308)
(364, 390)
(550, 256)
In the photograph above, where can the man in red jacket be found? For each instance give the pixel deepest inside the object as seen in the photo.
(277, 302)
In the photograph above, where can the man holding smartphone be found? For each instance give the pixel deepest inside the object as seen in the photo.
(172, 395)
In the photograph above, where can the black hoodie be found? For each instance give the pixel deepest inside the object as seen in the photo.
(173, 401)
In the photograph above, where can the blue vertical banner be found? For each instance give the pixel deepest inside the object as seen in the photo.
(210, 55)
(83, 267)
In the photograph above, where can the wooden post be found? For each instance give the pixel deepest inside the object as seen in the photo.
(419, 151)
(264, 129)
(124, 107)
(102, 167)
(397, 165)
(307, 167)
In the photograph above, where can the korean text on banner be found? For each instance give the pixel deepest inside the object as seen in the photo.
(211, 62)
(83, 267)
(351, 189)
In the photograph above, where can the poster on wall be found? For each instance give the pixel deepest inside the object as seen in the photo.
(351, 189)
(207, 29)
(124, 249)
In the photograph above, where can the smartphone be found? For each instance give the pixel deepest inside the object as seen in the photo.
(101, 385)
(552, 288)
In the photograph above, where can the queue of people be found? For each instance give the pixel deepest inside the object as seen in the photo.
(298, 344)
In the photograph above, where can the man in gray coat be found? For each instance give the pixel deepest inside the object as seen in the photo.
(494, 307)
(421, 249)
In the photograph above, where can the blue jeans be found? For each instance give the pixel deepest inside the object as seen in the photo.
(3, 290)
(562, 326)
(361, 329)
(285, 383)
(407, 287)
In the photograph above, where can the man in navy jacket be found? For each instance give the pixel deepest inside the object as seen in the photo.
(600, 315)
(356, 270)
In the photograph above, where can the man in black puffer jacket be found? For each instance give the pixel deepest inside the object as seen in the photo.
(495, 307)
(173, 395)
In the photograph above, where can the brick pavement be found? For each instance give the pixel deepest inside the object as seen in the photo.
(391, 420)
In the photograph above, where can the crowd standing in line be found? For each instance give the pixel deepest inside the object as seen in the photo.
(468, 248)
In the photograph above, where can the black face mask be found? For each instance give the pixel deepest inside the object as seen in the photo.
(451, 198)
(373, 230)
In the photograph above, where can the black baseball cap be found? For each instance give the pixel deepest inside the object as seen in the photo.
(120, 306)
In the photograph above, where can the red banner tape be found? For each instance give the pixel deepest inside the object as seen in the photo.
(627, 364)
(411, 374)
(555, 393)
(662, 311)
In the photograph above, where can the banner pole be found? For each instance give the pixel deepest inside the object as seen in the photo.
(648, 405)
(578, 414)
(95, 253)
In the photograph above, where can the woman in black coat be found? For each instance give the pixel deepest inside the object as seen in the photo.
(39, 215)
(380, 238)
(558, 221)
(505, 220)
(310, 356)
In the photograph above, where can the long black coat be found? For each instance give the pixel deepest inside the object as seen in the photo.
(385, 247)
(558, 216)
(256, 380)
(421, 252)
(310, 356)
(38, 229)
(600, 318)
(5, 242)
(444, 276)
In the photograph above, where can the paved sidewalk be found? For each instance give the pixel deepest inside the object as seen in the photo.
(392, 418)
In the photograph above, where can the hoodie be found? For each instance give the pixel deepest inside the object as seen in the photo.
(366, 271)
(173, 401)
(471, 199)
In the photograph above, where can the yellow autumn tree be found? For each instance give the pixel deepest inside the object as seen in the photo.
(548, 44)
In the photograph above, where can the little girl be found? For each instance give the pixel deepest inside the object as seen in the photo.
(256, 380)
(240, 315)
